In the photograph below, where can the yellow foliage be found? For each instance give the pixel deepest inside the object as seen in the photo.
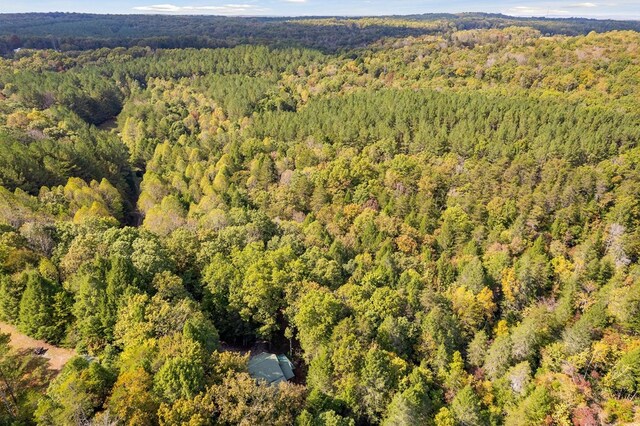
(509, 284)
(96, 211)
(221, 181)
(17, 119)
(501, 329)
(444, 418)
(485, 300)
(562, 267)
(47, 269)
(351, 211)
(473, 309)
(485, 390)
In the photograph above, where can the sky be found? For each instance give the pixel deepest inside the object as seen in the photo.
(612, 9)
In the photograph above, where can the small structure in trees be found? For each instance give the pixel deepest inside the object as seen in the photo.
(271, 368)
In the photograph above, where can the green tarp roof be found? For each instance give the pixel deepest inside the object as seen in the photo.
(271, 368)
(286, 366)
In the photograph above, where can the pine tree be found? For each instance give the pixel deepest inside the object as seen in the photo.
(10, 295)
(36, 316)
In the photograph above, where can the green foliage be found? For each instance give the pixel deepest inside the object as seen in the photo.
(531, 410)
(318, 312)
(624, 377)
(24, 376)
(76, 394)
(38, 311)
(438, 227)
(85, 31)
(381, 377)
(418, 403)
(92, 312)
(132, 400)
(467, 409)
(11, 292)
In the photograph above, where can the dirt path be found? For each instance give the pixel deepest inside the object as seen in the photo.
(57, 357)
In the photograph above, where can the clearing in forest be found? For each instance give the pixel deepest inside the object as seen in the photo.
(57, 357)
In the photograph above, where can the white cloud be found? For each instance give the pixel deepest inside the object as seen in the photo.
(581, 5)
(226, 9)
(294, 1)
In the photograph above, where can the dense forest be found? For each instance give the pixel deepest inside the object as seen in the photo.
(77, 31)
(435, 217)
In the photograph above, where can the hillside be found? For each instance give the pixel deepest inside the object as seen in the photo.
(437, 219)
(77, 31)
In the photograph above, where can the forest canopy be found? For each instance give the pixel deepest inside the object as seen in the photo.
(437, 218)
(79, 31)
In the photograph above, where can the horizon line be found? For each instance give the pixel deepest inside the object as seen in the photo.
(547, 17)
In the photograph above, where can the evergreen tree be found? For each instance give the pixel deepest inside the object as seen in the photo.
(37, 315)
